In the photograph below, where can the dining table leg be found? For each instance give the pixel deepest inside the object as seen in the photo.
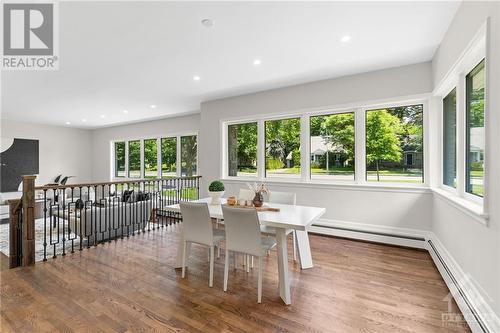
(284, 280)
(302, 239)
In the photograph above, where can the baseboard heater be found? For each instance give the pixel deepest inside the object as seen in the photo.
(460, 290)
(370, 232)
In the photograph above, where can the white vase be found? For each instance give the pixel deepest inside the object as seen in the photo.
(215, 197)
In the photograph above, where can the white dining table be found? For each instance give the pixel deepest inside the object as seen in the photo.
(288, 217)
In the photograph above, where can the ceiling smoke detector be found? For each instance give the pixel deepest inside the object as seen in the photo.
(207, 23)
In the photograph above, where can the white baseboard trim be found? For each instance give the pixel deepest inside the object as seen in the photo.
(373, 233)
(478, 313)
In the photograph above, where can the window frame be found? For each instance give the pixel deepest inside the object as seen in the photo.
(359, 135)
(454, 190)
(125, 152)
(141, 139)
(225, 146)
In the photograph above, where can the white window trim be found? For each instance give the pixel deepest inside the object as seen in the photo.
(158, 140)
(360, 145)
(475, 52)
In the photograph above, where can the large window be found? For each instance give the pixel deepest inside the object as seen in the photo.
(153, 157)
(394, 144)
(242, 149)
(120, 159)
(474, 173)
(450, 139)
(150, 158)
(332, 146)
(189, 149)
(282, 147)
(134, 159)
(168, 157)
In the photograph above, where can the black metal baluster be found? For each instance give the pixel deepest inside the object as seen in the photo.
(45, 225)
(81, 219)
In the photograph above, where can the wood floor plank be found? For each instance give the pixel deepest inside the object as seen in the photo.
(131, 285)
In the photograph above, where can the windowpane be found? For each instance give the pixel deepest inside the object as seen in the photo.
(450, 139)
(242, 149)
(150, 158)
(119, 159)
(392, 136)
(168, 156)
(332, 146)
(189, 155)
(283, 148)
(475, 130)
(134, 159)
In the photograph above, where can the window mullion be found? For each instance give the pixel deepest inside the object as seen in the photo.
(305, 147)
(461, 136)
(143, 170)
(178, 161)
(261, 150)
(360, 146)
(158, 157)
(126, 160)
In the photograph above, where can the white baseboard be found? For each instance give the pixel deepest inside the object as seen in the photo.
(373, 233)
(479, 315)
(466, 292)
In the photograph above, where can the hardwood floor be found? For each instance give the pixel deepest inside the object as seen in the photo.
(130, 285)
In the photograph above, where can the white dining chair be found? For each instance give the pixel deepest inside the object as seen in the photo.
(197, 228)
(285, 198)
(243, 236)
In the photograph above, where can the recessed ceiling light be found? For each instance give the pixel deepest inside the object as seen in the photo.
(257, 62)
(103, 116)
(68, 123)
(207, 23)
(152, 106)
(84, 120)
(196, 78)
(125, 111)
(345, 39)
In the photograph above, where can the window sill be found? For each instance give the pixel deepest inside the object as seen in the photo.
(468, 207)
(349, 186)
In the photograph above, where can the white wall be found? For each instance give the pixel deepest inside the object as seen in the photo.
(62, 150)
(473, 246)
(362, 205)
(101, 138)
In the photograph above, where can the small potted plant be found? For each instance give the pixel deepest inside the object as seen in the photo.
(216, 191)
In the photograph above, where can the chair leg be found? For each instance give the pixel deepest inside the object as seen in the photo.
(218, 251)
(234, 260)
(247, 256)
(251, 261)
(294, 238)
(259, 287)
(184, 259)
(211, 281)
(226, 269)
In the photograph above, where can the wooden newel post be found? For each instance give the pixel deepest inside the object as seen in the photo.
(28, 220)
(14, 233)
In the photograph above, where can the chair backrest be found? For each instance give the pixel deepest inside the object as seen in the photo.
(246, 194)
(286, 198)
(197, 224)
(242, 230)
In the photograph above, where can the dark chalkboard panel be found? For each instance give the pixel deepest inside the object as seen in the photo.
(19, 159)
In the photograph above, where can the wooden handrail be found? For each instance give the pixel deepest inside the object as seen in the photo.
(55, 187)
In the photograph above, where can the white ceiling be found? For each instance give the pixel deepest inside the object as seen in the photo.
(129, 55)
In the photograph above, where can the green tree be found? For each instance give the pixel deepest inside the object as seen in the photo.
(338, 129)
(150, 157)
(247, 144)
(189, 149)
(134, 156)
(168, 154)
(285, 135)
(382, 138)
